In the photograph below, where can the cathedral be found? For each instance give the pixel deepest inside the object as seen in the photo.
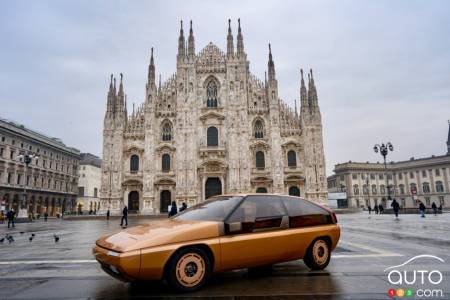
(211, 128)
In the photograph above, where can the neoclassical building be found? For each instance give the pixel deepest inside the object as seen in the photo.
(364, 184)
(211, 128)
(48, 184)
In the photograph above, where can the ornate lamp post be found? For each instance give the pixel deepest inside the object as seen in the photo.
(27, 159)
(384, 150)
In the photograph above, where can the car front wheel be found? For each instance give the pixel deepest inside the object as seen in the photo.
(188, 269)
(318, 255)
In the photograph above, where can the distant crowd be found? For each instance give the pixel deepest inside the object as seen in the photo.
(379, 209)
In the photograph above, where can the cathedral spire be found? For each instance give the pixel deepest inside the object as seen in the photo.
(121, 93)
(151, 71)
(271, 66)
(303, 93)
(159, 85)
(111, 84)
(230, 45)
(295, 105)
(310, 95)
(313, 91)
(191, 45)
(240, 41)
(125, 109)
(181, 43)
(110, 98)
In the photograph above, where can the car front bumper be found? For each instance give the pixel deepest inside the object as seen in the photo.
(124, 266)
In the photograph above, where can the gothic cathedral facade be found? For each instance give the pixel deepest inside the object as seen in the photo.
(211, 128)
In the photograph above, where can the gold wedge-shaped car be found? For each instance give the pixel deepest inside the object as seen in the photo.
(221, 234)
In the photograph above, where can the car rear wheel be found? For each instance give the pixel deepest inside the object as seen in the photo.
(188, 269)
(318, 255)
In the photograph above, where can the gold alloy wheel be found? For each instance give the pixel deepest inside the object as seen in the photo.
(320, 252)
(190, 269)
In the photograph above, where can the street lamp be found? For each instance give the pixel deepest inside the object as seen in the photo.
(27, 159)
(384, 150)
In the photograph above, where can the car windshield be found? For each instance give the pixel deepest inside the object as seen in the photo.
(216, 209)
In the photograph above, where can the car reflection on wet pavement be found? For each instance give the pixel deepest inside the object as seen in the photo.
(43, 269)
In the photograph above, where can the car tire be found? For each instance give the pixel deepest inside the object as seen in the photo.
(318, 255)
(188, 270)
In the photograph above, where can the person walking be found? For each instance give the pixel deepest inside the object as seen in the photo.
(10, 215)
(183, 206)
(107, 215)
(45, 216)
(422, 209)
(124, 216)
(395, 206)
(375, 208)
(434, 207)
(173, 209)
(380, 208)
(369, 208)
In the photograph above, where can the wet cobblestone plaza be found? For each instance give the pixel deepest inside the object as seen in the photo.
(43, 269)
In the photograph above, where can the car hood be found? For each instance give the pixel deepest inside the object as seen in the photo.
(159, 233)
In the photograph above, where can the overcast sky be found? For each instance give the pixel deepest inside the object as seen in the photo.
(382, 68)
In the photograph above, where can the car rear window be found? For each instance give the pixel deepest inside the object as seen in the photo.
(303, 213)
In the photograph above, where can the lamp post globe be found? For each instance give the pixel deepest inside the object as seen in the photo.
(26, 158)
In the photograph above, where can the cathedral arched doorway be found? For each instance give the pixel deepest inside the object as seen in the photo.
(261, 190)
(294, 191)
(213, 187)
(133, 202)
(165, 200)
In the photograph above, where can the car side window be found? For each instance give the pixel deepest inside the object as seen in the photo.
(302, 213)
(259, 212)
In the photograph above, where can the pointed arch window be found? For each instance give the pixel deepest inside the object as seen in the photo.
(165, 161)
(212, 136)
(258, 129)
(134, 163)
(211, 93)
(260, 160)
(167, 131)
(292, 159)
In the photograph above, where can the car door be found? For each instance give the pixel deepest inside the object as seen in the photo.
(306, 222)
(261, 221)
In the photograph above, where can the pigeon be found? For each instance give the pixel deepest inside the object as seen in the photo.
(32, 234)
(30, 238)
(22, 232)
(2, 240)
(56, 238)
(10, 239)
